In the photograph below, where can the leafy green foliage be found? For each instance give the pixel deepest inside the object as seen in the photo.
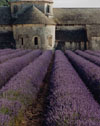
(4, 2)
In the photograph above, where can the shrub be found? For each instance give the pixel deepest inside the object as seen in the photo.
(13, 66)
(22, 89)
(69, 102)
(87, 70)
(13, 55)
(91, 58)
(93, 53)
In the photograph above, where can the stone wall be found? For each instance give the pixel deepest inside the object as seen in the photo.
(93, 34)
(25, 34)
(5, 28)
(95, 42)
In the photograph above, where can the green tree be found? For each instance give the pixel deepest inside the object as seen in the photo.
(4, 2)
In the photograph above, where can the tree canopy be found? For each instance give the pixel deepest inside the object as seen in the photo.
(4, 2)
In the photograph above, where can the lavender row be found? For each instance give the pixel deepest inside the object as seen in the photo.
(13, 66)
(17, 53)
(91, 58)
(93, 53)
(6, 52)
(2, 50)
(21, 91)
(88, 71)
(98, 51)
(69, 101)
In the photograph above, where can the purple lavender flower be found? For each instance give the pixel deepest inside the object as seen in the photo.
(17, 53)
(6, 52)
(93, 53)
(22, 89)
(4, 120)
(89, 57)
(13, 66)
(89, 72)
(69, 102)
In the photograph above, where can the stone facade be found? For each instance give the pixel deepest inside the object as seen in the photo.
(35, 34)
(33, 24)
(93, 33)
(45, 36)
(75, 42)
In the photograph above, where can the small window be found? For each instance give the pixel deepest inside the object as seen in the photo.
(36, 41)
(15, 9)
(48, 9)
(22, 41)
(50, 40)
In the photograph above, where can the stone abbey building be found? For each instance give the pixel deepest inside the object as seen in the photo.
(32, 24)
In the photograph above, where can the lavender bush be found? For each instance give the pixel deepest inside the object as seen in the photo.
(98, 51)
(22, 89)
(17, 53)
(2, 50)
(4, 120)
(11, 67)
(69, 101)
(91, 58)
(93, 53)
(6, 52)
(88, 71)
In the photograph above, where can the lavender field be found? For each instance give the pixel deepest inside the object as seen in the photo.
(45, 88)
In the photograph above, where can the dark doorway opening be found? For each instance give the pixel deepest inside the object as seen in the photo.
(15, 9)
(22, 41)
(36, 41)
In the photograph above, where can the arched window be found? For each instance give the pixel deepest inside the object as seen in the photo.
(15, 9)
(36, 41)
(48, 8)
(22, 41)
(50, 40)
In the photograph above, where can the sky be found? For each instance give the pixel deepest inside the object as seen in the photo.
(77, 3)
